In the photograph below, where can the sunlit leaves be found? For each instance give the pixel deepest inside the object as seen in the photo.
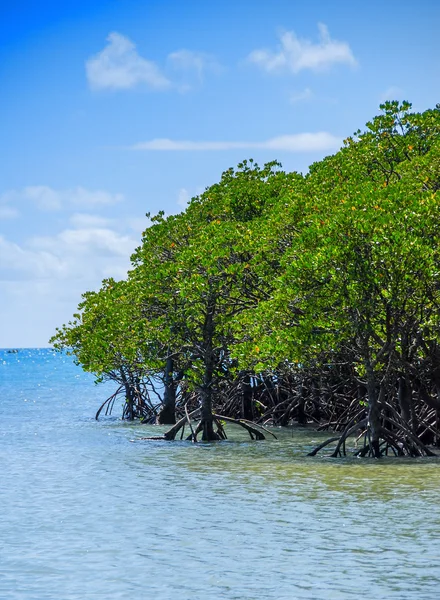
(291, 268)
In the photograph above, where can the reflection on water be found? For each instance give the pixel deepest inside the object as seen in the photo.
(86, 513)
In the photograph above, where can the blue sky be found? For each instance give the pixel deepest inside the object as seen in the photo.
(111, 109)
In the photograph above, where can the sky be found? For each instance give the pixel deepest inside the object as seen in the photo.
(111, 109)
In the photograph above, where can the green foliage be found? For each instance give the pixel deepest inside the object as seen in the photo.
(362, 272)
(267, 270)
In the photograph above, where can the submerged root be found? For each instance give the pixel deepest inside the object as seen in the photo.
(108, 404)
(171, 433)
(315, 451)
(255, 431)
(349, 430)
(220, 430)
(193, 434)
(399, 440)
(394, 435)
(136, 406)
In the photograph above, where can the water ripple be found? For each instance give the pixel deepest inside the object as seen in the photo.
(85, 513)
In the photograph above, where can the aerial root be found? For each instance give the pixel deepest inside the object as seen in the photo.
(108, 404)
(171, 433)
(399, 440)
(195, 432)
(255, 431)
(315, 451)
(193, 435)
(397, 437)
(139, 407)
(349, 430)
(220, 431)
(353, 425)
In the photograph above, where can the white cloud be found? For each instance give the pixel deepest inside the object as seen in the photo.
(296, 54)
(42, 278)
(73, 254)
(17, 262)
(198, 62)
(44, 197)
(31, 310)
(138, 224)
(306, 94)
(119, 66)
(392, 93)
(299, 142)
(91, 242)
(7, 212)
(80, 196)
(183, 198)
(48, 199)
(85, 221)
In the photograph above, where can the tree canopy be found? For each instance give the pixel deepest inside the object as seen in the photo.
(283, 296)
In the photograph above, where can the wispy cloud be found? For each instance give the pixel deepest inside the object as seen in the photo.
(80, 196)
(88, 221)
(44, 197)
(72, 253)
(119, 66)
(302, 96)
(138, 224)
(97, 241)
(53, 270)
(8, 212)
(49, 199)
(299, 142)
(392, 93)
(183, 198)
(295, 54)
(195, 62)
(17, 262)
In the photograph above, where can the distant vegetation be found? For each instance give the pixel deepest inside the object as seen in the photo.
(277, 298)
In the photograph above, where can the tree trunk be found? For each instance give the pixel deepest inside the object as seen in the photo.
(207, 420)
(373, 409)
(316, 399)
(167, 414)
(129, 401)
(437, 387)
(435, 375)
(301, 415)
(404, 396)
(247, 411)
(129, 407)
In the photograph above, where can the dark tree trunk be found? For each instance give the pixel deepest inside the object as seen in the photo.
(316, 398)
(301, 415)
(404, 395)
(362, 391)
(130, 402)
(373, 410)
(207, 420)
(437, 387)
(128, 412)
(167, 414)
(247, 411)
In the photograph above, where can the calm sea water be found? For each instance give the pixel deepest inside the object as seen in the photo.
(86, 512)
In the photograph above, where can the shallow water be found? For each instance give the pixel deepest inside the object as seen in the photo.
(88, 510)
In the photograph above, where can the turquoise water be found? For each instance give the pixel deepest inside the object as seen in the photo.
(88, 510)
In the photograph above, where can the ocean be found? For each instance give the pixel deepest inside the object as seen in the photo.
(88, 510)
